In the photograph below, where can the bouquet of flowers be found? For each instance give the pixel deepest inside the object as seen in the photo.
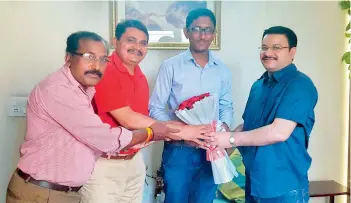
(203, 109)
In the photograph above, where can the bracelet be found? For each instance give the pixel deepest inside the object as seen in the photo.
(150, 135)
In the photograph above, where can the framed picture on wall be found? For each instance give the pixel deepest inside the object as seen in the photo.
(165, 20)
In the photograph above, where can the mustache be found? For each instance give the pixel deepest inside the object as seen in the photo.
(95, 72)
(132, 51)
(267, 57)
(202, 40)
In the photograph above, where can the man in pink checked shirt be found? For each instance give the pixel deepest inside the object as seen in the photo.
(64, 136)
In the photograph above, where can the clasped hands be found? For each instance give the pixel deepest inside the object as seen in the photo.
(195, 135)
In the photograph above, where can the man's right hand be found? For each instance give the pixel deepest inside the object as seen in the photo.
(163, 132)
(195, 134)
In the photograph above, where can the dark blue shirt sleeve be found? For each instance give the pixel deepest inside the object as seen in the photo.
(298, 102)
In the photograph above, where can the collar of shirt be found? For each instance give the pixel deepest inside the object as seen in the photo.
(212, 60)
(117, 62)
(90, 91)
(278, 75)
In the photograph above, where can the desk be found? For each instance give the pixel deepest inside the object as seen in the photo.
(328, 188)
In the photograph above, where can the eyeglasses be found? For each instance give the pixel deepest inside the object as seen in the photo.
(132, 40)
(273, 48)
(197, 29)
(91, 58)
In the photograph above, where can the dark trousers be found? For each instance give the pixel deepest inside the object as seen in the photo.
(300, 195)
(187, 175)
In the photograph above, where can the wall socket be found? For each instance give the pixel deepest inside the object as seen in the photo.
(17, 106)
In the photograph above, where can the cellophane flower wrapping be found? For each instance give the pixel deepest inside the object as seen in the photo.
(203, 109)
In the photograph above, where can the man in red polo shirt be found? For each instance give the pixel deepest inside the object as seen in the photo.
(121, 99)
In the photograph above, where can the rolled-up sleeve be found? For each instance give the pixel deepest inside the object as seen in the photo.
(76, 115)
(161, 93)
(226, 100)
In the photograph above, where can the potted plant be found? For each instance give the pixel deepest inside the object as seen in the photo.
(345, 5)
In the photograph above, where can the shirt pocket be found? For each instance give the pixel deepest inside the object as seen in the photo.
(183, 87)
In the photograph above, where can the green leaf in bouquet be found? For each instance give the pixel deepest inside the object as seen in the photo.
(344, 4)
(348, 27)
(346, 57)
(348, 35)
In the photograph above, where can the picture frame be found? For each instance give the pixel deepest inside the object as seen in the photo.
(165, 27)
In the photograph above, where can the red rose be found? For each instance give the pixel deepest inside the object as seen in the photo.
(184, 103)
(189, 103)
(194, 99)
(190, 107)
(181, 107)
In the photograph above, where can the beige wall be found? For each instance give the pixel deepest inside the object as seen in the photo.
(32, 43)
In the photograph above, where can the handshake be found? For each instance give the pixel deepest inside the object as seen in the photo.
(196, 135)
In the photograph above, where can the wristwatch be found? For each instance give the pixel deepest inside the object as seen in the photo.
(232, 139)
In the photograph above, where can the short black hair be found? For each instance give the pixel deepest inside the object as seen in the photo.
(73, 40)
(200, 12)
(287, 32)
(122, 26)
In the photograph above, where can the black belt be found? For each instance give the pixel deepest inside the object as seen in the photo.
(46, 184)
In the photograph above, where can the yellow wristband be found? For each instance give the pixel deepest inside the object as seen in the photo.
(150, 135)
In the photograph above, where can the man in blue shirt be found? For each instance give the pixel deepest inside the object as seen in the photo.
(278, 120)
(187, 175)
